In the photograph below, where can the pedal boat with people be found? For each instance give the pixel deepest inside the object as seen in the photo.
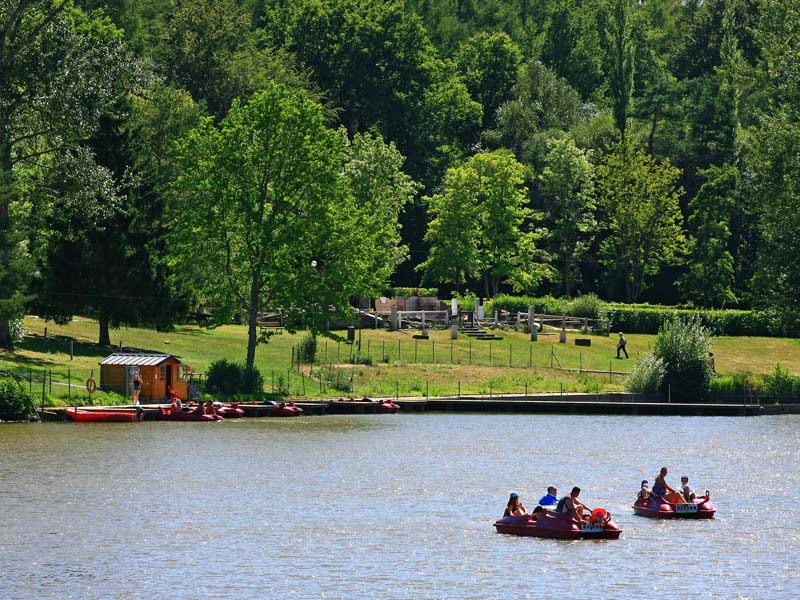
(670, 507)
(598, 525)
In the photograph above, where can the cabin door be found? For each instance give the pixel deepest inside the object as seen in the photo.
(169, 376)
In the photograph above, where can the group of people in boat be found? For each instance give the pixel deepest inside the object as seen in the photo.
(685, 494)
(550, 501)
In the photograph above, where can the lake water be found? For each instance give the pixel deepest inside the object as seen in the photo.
(390, 506)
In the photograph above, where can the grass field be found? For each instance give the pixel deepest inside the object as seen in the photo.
(396, 363)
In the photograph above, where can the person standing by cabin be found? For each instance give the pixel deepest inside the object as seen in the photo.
(621, 345)
(136, 386)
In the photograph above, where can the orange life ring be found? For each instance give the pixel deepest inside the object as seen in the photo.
(91, 385)
(599, 515)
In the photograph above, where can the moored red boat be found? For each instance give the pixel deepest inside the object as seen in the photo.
(190, 414)
(387, 406)
(105, 415)
(658, 507)
(561, 526)
(229, 411)
(286, 409)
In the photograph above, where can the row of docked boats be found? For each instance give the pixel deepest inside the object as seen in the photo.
(208, 411)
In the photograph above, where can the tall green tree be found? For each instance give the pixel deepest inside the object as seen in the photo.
(568, 189)
(776, 160)
(618, 41)
(264, 216)
(489, 64)
(58, 70)
(640, 202)
(481, 226)
(709, 280)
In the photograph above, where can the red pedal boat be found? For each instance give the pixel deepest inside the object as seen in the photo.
(387, 406)
(229, 411)
(658, 507)
(286, 409)
(191, 414)
(561, 526)
(105, 415)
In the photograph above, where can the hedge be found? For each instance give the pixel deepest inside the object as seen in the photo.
(648, 318)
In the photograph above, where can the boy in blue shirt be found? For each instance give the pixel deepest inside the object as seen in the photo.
(550, 498)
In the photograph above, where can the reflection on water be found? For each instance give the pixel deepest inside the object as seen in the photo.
(389, 506)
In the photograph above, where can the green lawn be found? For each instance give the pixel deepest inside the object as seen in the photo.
(399, 363)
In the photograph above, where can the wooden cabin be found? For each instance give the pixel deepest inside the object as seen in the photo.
(158, 371)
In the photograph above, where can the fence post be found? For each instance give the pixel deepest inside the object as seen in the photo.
(459, 389)
(433, 350)
(71, 349)
(69, 384)
(561, 392)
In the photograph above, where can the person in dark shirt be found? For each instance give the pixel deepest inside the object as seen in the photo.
(514, 507)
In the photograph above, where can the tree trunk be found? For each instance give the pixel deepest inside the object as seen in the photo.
(6, 342)
(252, 317)
(103, 319)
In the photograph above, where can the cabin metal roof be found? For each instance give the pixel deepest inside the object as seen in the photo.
(136, 359)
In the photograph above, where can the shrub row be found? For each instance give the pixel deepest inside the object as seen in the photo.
(648, 318)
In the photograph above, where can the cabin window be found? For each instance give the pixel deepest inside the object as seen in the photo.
(162, 373)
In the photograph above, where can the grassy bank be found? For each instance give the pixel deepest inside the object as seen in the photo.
(395, 362)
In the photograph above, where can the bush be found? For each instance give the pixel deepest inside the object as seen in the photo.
(646, 376)
(585, 306)
(683, 345)
(544, 305)
(227, 378)
(781, 383)
(15, 404)
(306, 349)
(408, 291)
(16, 330)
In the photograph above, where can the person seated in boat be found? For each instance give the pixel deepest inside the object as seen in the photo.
(645, 492)
(570, 504)
(686, 490)
(539, 511)
(663, 489)
(208, 408)
(550, 498)
(514, 508)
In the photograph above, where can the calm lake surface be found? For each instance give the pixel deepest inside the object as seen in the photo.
(390, 506)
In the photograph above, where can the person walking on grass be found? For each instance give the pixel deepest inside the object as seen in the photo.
(621, 345)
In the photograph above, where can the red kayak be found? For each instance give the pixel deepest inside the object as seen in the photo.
(658, 507)
(286, 409)
(191, 414)
(105, 415)
(561, 526)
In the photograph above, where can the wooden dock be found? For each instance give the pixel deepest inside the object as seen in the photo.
(616, 403)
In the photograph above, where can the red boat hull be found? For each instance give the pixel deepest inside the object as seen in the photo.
(659, 508)
(187, 415)
(92, 415)
(231, 411)
(388, 407)
(287, 409)
(558, 526)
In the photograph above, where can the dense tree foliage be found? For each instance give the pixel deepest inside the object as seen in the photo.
(561, 146)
